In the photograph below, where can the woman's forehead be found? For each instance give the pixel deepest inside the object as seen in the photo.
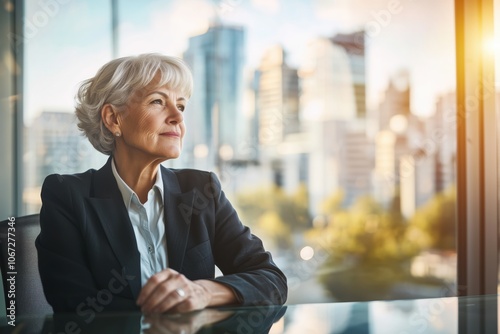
(172, 93)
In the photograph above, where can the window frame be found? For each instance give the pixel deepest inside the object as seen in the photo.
(477, 167)
(11, 101)
(477, 179)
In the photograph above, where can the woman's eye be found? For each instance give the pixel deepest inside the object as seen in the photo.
(157, 101)
(181, 107)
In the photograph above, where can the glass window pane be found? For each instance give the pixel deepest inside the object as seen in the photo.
(331, 125)
(63, 41)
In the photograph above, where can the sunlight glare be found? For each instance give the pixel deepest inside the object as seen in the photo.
(492, 46)
(307, 253)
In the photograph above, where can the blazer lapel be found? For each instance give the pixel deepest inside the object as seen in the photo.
(178, 211)
(108, 204)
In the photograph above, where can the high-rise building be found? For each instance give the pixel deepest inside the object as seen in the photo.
(396, 100)
(398, 133)
(55, 145)
(327, 85)
(404, 162)
(340, 158)
(215, 121)
(334, 78)
(443, 139)
(417, 183)
(355, 160)
(277, 98)
(333, 114)
(354, 46)
(60, 146)
(390, 147)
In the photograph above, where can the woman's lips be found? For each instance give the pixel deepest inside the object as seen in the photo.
(170, 134)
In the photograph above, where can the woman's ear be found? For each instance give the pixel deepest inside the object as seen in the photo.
(109, 116)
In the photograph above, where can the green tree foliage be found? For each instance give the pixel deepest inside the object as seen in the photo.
(365, 232)
(433, 225)
(333, 203)
(274, 214)
(370, 247)
(272, 226)
(292, 209)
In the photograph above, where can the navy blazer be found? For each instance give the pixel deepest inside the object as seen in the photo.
(87, 252)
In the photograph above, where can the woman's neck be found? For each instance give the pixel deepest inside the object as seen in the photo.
(139, 174)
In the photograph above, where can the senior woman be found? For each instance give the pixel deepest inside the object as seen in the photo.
(134, 234)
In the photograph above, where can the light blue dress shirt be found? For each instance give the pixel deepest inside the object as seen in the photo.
(148, 224)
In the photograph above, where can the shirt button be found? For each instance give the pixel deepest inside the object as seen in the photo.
(150, 249)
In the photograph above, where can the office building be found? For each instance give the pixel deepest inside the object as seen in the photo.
(390, 147)
(443, 138)
(55, 145)
(356, 161)
(327, 86)
(417, 183)
(277, 98)
(396, 100)
(216, 118)
(340, 158)
(354, 46)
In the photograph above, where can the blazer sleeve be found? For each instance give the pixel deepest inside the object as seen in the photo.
(63, 265)
(248, 269)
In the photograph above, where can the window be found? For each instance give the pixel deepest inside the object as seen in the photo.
(334, 140)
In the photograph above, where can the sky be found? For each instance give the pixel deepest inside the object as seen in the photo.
(67, 43)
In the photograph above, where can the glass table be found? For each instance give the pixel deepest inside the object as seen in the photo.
(476, 314)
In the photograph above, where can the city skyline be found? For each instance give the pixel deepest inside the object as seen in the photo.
(324, 94)
(163, 29)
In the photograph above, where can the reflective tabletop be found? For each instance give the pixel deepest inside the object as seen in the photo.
(476, 314)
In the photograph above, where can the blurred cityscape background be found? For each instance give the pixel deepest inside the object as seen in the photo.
(317, 137)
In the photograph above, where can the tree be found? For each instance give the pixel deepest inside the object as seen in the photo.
(367, 247)
(271, 227)
(366, 232)
(275, 213)
(434, 224)
(370, 248)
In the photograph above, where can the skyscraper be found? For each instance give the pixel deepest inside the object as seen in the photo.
(390, 147)
(444, 139)
(334, 78)
(215, 119)
(354, 46)
(277, 97)
(417, 183)
(396, 100)
(327, 83)
(355, 160)
(54, 145)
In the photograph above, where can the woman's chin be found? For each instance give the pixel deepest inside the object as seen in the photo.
(172, 154)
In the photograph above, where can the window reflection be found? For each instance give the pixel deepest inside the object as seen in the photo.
(331, 125)
(422, 316)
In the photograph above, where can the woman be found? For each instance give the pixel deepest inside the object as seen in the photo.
(134, 234)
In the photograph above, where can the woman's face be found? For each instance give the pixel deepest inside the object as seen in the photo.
(152, 123)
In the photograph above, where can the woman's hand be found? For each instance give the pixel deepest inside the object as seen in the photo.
(170, 291)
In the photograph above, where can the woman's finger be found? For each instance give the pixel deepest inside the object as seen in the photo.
(153, 283)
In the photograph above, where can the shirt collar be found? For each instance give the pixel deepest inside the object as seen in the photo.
(127, 192)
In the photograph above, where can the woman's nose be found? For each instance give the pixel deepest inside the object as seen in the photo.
(175, 115)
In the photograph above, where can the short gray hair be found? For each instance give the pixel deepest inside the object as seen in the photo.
(116, 81)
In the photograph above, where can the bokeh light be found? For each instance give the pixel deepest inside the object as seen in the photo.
(306, 253)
